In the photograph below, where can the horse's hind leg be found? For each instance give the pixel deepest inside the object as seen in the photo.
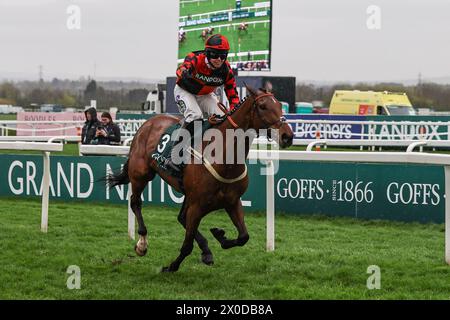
(207, 257)
(236, 214)
(193, 217)
(137, 187)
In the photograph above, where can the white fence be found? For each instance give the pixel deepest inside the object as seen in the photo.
(354, 157)
(423, 131)
(10, 142)
(129, 127)
(46, 148)
(270, 156)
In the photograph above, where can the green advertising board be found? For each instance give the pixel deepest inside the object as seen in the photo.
(361, 190)
(371, 191)
(78, 178)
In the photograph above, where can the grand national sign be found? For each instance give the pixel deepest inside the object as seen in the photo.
(360, 190)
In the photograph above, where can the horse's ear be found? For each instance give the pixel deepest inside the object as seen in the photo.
(252, 91)
(268, 87)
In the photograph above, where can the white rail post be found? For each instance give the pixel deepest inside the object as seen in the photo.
(45, 191)
(447, 214)
(270, 228)
(131, 220)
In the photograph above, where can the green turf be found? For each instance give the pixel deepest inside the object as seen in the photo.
(315, 257)
(212, 5)
(70, 149)
(8, 117)
(257, 38)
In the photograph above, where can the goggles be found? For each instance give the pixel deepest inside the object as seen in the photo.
(217, 55)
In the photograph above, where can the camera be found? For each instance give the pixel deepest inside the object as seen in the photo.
(101, 128)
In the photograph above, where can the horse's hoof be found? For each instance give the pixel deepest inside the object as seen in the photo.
(217, 233)
(139, 252)
(208, 259)
(167, 270)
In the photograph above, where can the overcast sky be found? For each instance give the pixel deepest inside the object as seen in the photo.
(319, 40)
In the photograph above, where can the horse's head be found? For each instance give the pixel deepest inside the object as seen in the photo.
(267, 114)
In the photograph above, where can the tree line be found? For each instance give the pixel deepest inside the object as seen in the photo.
(424, 95)
(129, 96)
(75, 94)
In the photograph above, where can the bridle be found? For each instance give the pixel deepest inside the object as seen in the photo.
(276, 125)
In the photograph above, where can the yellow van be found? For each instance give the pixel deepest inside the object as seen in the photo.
(370, 103)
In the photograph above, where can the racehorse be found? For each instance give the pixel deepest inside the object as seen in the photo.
(182, 37)
(204, 191)
(243, 27)
(206, 32)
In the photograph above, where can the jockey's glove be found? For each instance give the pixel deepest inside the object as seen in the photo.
(187, 73)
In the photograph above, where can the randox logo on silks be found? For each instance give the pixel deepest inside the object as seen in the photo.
(209, 79)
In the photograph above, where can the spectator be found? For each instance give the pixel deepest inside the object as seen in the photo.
(238, 5)
(90, 126)
(107, 132)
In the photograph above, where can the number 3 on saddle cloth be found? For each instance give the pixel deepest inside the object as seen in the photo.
(166, 144)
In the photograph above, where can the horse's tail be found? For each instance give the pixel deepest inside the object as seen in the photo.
(118, 178)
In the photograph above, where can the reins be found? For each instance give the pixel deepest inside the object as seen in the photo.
(277, 123)
(227, 114)
(208, 165)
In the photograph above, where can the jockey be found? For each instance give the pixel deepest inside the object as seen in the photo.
(197, 78)
(181, 33)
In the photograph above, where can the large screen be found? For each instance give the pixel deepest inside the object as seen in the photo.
(246, 23)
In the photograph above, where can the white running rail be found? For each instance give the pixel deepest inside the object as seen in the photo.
(46, 148)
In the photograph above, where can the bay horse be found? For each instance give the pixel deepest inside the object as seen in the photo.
(206, 32)
(243, 27)
(204, 191)
(182, 37)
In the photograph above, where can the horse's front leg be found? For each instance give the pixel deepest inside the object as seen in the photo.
(193, 217)
(236, 214)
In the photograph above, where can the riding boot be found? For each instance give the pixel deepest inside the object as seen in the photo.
(189, 126)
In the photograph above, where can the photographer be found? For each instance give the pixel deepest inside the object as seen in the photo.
(107, 132)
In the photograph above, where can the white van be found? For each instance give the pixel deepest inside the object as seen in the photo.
(156, 100)
(7, 108)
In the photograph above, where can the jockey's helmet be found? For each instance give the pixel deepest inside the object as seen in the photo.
(216, 44)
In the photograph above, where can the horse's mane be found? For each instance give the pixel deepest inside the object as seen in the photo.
(238, 106)
(242, 102)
